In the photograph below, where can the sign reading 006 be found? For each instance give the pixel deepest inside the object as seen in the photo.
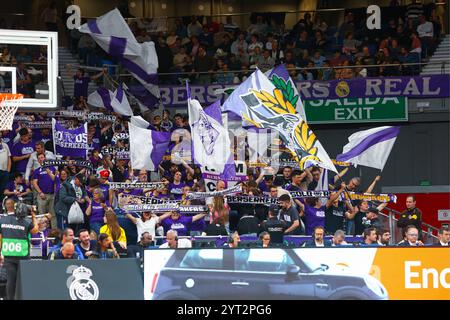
(14, 247)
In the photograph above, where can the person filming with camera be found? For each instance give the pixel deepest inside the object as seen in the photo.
(15, 234)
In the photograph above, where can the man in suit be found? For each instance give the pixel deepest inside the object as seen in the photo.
(318, 240)
(443, 237)
(412, 237)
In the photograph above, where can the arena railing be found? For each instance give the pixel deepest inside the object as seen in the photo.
(390, 220)
(442, 63)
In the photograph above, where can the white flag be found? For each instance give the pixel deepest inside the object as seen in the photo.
(139, 122)
(211, 142)
(371, 147)
(147, 147)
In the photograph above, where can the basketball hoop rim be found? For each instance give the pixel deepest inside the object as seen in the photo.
(10, 96)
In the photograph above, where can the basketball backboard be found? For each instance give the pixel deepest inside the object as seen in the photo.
(31, 56)
(8, 80)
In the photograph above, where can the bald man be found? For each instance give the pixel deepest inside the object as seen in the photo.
(67, 252)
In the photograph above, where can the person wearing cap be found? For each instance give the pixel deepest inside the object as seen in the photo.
(104, 185)
(372, 219)
(106, 164)
(71, 190)
(274, 226)
(359, 216)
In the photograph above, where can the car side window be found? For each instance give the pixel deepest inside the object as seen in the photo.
(203, 259)
(262, 260)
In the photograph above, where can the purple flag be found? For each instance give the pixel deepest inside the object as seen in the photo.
(67, 142)
(160, 141)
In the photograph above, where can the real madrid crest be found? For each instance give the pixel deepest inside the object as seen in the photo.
(342, 89)
(80, 284)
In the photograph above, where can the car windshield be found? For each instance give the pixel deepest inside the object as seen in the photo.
(203, 259)
(312, 265)
(262, 260)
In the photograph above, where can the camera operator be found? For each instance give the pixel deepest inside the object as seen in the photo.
(15, 232)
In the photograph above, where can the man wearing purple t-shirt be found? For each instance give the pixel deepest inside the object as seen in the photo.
(81, 82)
(43, 135)
(314, 215)
(178, 222)
(22, 150)
(43, 181)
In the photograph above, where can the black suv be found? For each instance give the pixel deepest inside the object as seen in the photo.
(258, 273)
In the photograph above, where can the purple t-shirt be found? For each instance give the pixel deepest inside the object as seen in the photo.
(94, 146)
(97, 212)
(180, 225)
(314, 217)
(176, 190)
(264, 188)
(8, 137)
(105, 189)
(81, 86)
(21, 187)
(38, 136)
(45, 183)
(20, 149)
(199, 225)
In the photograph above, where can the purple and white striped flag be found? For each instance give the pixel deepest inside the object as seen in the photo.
(120, 103)
(101, 98)
(371, 147)
(112, 34)
(147, 147)
(113, 101)
(211, 143)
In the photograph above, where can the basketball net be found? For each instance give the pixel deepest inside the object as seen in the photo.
(9, 103)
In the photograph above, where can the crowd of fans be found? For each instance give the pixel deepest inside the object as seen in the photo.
(206, 51)
(108, 230)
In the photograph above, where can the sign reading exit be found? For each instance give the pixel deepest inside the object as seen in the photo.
(354, 110)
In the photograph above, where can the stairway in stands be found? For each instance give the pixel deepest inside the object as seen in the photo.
(441, 54)
(65, 58)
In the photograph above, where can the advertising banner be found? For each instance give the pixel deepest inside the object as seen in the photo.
(371, 273)
(356, 110)
(115, 279)
(430, 86)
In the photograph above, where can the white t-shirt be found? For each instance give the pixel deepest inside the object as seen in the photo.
(182, 243)
(425, 29)
(4, 156)
(147, 226)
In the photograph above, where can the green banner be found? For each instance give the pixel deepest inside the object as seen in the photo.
(14, 247)
(354, 110)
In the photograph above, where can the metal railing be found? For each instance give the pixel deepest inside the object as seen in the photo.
(428, 231)
(442, 63)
